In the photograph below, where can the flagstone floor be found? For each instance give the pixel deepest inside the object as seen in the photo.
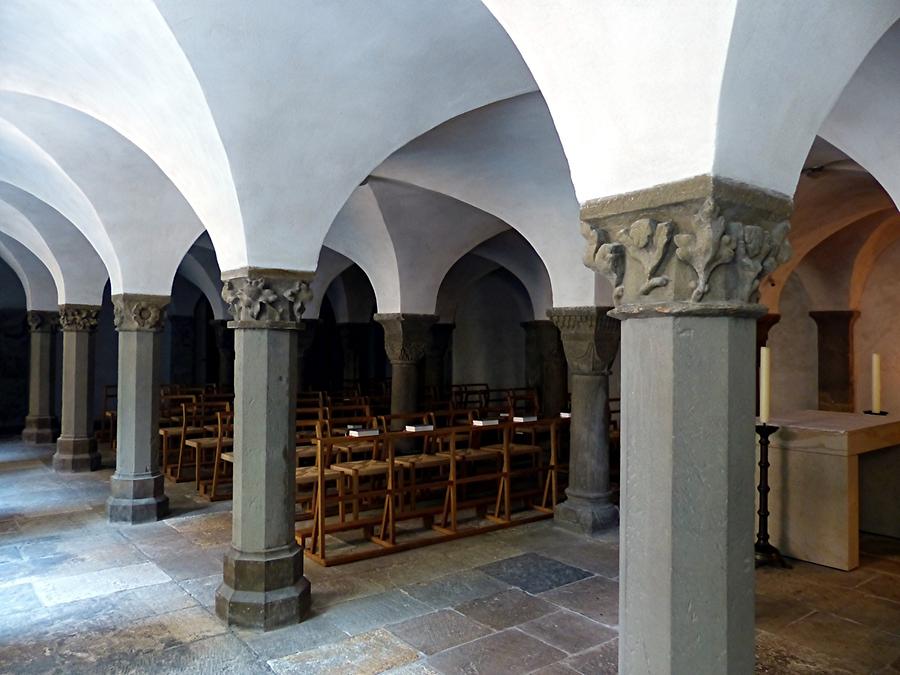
(79, 595)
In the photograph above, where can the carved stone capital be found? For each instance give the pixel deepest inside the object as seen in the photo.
(78, 317)
(589, 336)
(406, 336)
(266, 298)
(698, 246)
(137, 312)
(544, 336)
(42, 322)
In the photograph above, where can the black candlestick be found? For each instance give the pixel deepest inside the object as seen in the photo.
(870, 412)
(766, 554)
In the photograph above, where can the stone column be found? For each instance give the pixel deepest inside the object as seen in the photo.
(137, 492)
(225, 345)
(76, 447)
(685, 261)
(591, 341)
(182, 352)
(263, 584)
(836, 390)
(406, 338)
(40, 424)
(545, 365)
(437, 357)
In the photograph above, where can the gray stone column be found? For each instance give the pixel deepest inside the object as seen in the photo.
(545, 365)
(263, 584)
(76, 447)
(437, 357)
(182, 351)
(225, 345)
(836, 379)
(137, 493)
(40, 424)
(406, 339)
(685, 261)
(591, 341)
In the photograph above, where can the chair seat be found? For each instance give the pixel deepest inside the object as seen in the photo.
(306, 451)
(470, 454)
(207, 443)
(514, 448)
(364, 446)
(421, 461)
(176, 431)
(310, 474)
(228, 457)
(363, 467)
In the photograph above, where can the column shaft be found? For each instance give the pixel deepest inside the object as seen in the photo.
(406, 341)
(76, 447)
(40, 424)
(137, 493)
(263, 584)
(686, 600)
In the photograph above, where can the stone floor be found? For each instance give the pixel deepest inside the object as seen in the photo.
(78, 595)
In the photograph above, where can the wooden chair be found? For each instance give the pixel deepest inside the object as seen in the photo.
(222, 459)
(186, 427)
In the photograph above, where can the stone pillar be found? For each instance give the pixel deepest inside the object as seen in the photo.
(263, 584)
(306, 335)
(40, 424)
(76, 447)
(836, 390)
(182, 352)
(406, 338)
(545, 365)
(685, 261)
(591, 341)
(437, 357)
(137, 492)
(225, 346)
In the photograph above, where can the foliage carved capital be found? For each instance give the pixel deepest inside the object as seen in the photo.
(137, 312)
(702, 246)
(406, 336)
(261, 298)
(78, 317)
(590, 338)
(42, 322)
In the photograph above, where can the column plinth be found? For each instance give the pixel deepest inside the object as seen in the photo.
(137, 493)
(76, 447)
(263, 584)
(685, 261)
(41, 424)
(406, 341)
(590, 340)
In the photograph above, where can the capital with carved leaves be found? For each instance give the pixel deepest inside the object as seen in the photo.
(138, 312)
(78, 317)
(42, 322)
(266, 298)
(406, 336)
(590, 338)
(698, 246)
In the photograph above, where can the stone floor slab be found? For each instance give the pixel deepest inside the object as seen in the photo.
(534, 573)
(602, 660)
(314, 631)
(509, 651)
(506, 609)
(596, 598)
(438, 631)
(568, 631)
(366, 614)
(850, 644)
(366, 654)
(455, 588)
(59, 590)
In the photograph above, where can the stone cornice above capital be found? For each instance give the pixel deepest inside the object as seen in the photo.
(138, 312)
(266, 298)
(78, 317)
(406, 336)
(589, 336)
(40, 321)
(700, 246)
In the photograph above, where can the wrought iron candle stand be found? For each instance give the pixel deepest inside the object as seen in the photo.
(766, 554)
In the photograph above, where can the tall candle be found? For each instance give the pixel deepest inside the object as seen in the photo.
(765, 384)
(876, 383)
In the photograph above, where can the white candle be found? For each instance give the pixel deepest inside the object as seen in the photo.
(765, 384)
(876, 383)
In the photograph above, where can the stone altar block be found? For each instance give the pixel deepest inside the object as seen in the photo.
(832, 474)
